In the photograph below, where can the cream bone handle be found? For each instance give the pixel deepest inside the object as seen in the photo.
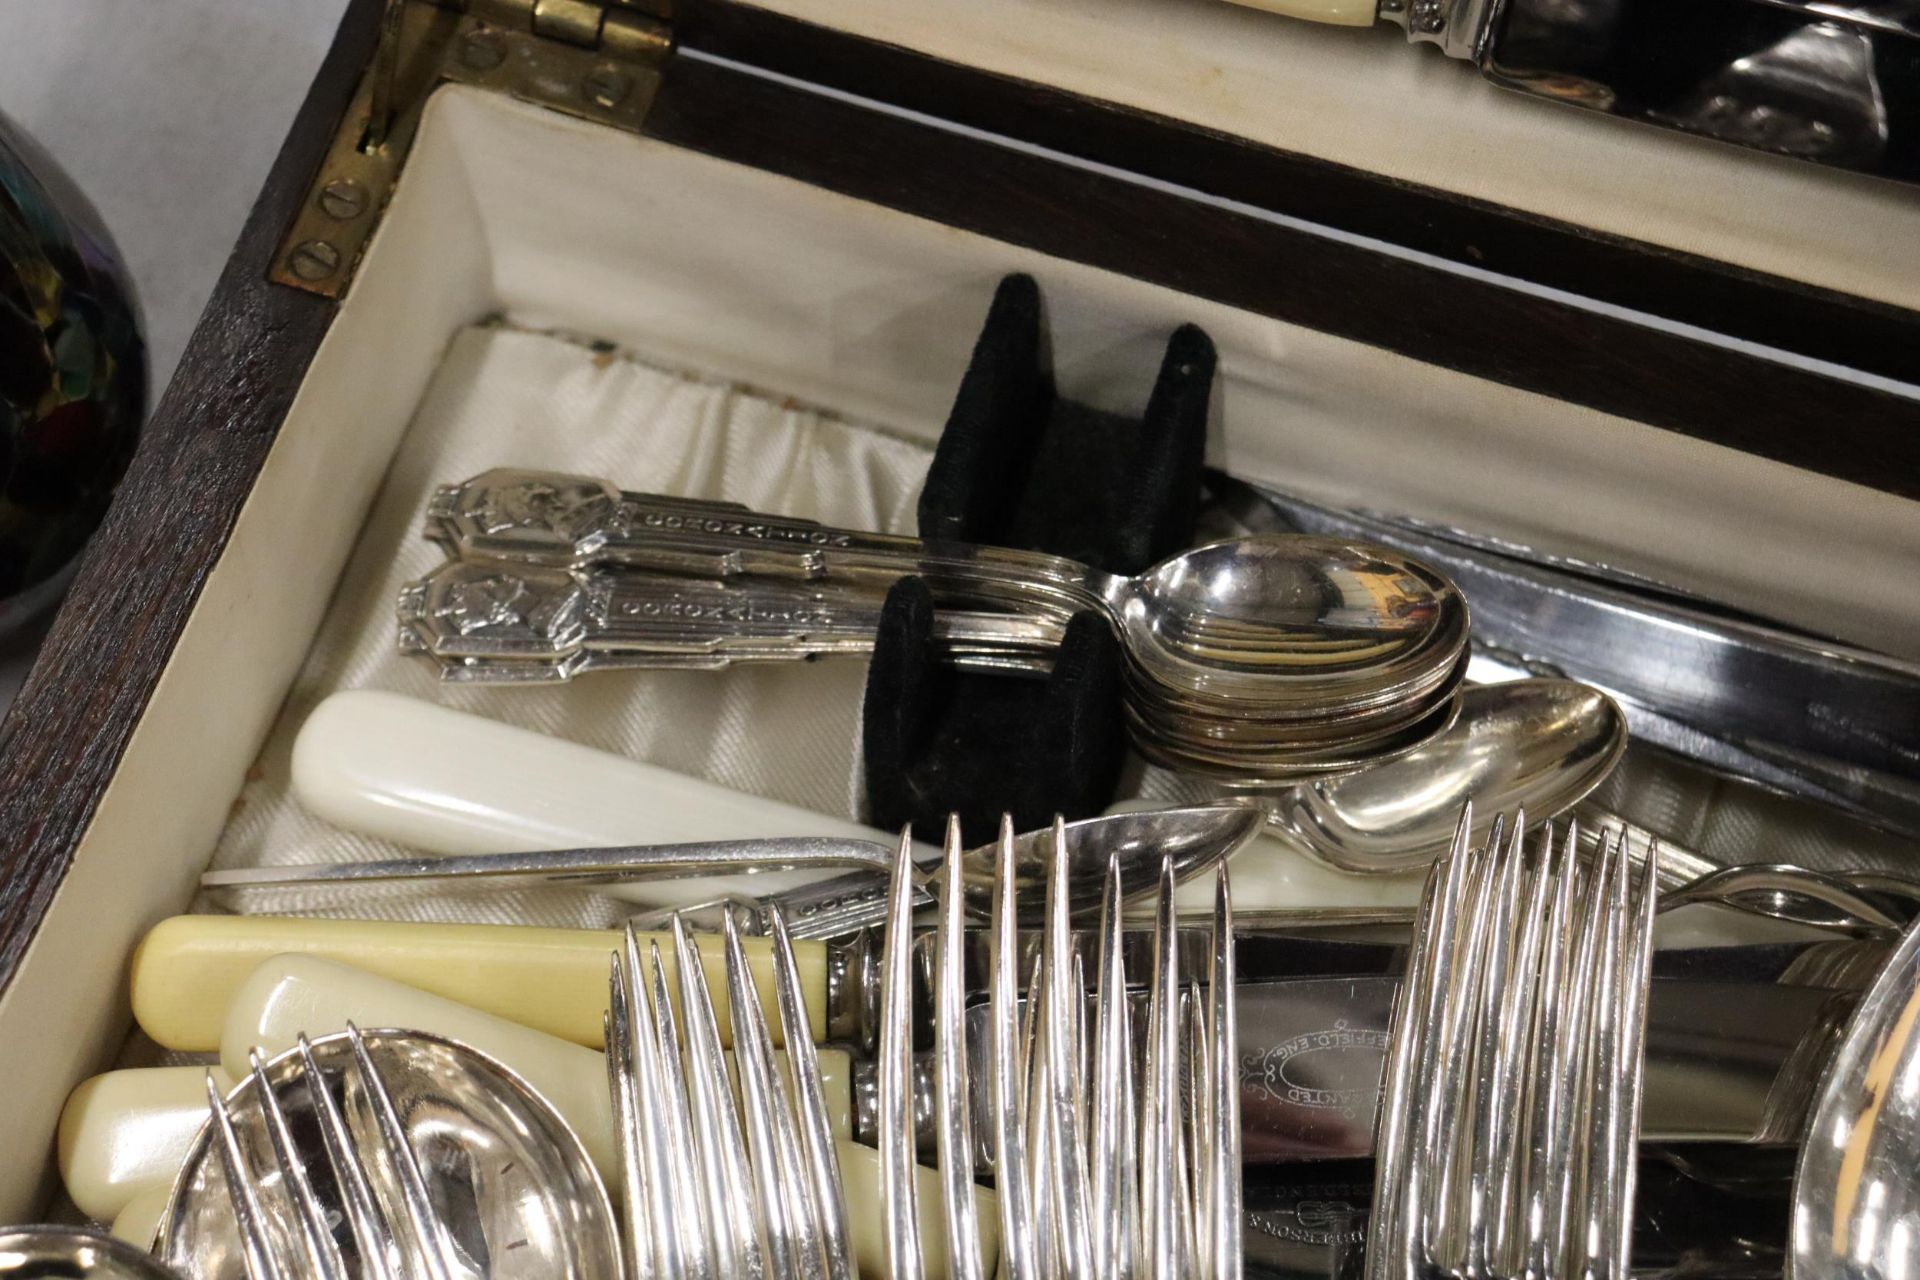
(447, 782)
(125, 1132)
(149, 1112)
(564, 520)
(187, 970)
(1339, 13)
(479, 616)
(443, 781)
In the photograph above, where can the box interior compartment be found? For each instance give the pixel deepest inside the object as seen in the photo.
(549, 293)
(1360, 98)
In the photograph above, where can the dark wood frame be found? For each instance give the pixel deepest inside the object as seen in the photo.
(1769, 310)
(69, 727)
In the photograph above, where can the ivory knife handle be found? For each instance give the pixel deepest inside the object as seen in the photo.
(1339, 13)
(186, 971)
(291, 995)
(447, 782)
(124, 1132)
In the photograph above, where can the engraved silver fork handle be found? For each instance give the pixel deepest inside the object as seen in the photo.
(547, 518)
(494, 622)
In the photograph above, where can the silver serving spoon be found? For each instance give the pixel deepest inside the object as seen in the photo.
(1535, 745)
(1195, 837)
(1856, 1199)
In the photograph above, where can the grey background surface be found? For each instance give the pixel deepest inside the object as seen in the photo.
(168, 114)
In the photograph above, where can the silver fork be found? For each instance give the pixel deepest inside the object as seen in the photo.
(415, 1239)
(1120, 1181)
(1508, 1130)
(712, 1189)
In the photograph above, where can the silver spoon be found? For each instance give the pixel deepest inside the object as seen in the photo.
(1195, 837)
(422, 1137)
(1543, 746)
(57, 1252)
(1310, 623)
(1856, 1201)
(1535, 745)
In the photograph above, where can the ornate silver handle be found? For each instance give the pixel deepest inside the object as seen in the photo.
(488, 622)
(546, 518)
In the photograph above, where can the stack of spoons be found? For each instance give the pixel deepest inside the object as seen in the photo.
(1281, 658)
(1255, 659)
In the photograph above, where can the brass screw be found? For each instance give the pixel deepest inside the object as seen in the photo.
(314, 260)
(482, 51)
(343, 199)
(607, 86)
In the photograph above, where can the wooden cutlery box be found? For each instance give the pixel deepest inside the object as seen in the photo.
(1428, 297)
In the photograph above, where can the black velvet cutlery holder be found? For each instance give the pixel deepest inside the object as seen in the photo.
(1018, 466)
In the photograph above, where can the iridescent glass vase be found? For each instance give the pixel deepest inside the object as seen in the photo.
(73, 376)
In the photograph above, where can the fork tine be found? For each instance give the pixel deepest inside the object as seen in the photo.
(1547, 1170)
(952, 1113)
(1501, 999)
(783, 1194)
(319, 1253)
(897, 1162)
(697, 1218)
(1224, 1199)
(432, 1248)
(1166, 1252)
(1066, 1138)
(1461, 993)
(1522, 1057)
(660, 1235)
(641, 1237)
(1199, 1070)
(378, 1259)
(1600, 1135)
(718, 1145)
(819, 1150)
(690, 1219)
(1393, 1244)
(1633, 1053)
(1574, 1068)
(1115, 1180)
(1033, 1067)
(250, 1222)
(1006, 1064)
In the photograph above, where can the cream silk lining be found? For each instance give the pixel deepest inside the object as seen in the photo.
(506, 396)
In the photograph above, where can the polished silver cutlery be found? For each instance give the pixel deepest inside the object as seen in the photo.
(1809, 717)
(1811, 81)
(1511, 1115)
(804, 875)
(1098, 1172)
(708, 1187)
(386, 1154)
(483, 622)
(1255, 658)
(1536, 745)
(1856, 1193)
(52, 1252)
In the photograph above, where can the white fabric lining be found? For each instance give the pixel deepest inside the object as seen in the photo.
(508, 396)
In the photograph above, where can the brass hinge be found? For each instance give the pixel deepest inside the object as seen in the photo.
(600, 60)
